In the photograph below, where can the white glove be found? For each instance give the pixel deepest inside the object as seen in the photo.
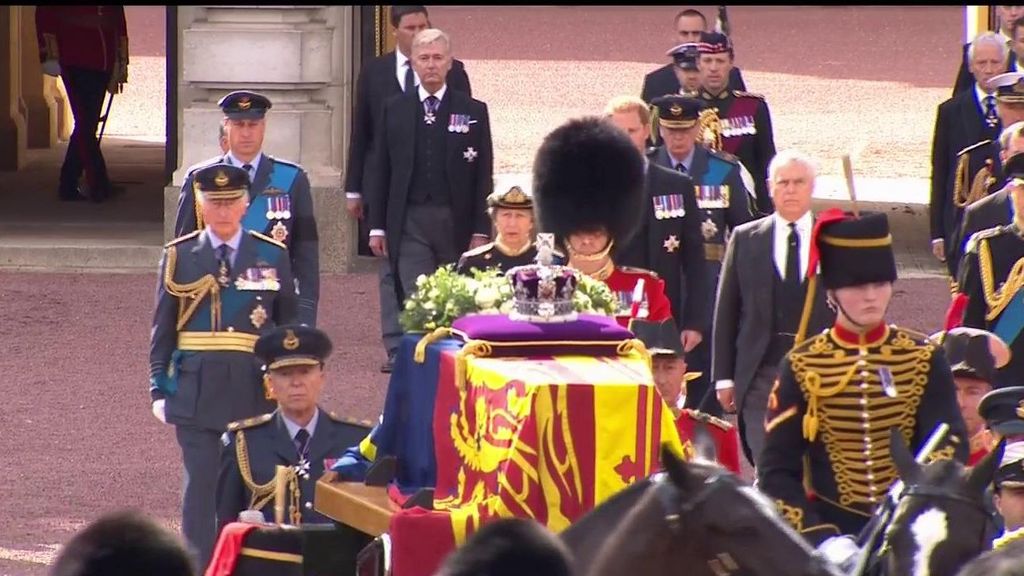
(51, 68)
(158, 410)
(839, 550)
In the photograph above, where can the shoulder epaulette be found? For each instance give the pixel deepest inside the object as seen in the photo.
(705, 417)
(742, 93)
(267, 239)
(276, 160)
(973, 147)
(478, 250)
(985, 234)
(346, 420)
(203, 164)
(250, 422)
(181, 239)
(635, 270)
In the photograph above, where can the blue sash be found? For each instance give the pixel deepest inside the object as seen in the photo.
(1011, 321)
(282, 176)
(717, 171)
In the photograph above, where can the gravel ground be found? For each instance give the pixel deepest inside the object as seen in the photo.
(78, 438)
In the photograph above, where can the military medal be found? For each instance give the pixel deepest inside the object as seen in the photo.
(659, 207)
(671, 243)
(222, 275)
(709, 229)
(888, 385)
(429, 118)
(258, 316)
(286, 206)
(279, 232)
(270, 208)
(470, 154)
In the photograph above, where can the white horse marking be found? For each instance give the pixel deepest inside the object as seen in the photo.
(929, 529)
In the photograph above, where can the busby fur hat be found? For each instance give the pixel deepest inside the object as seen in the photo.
(588, 175)
(854, 250)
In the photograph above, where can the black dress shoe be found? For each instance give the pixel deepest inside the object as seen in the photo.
(71, 196)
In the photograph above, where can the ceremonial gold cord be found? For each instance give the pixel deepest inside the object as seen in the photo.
(997, 300)
(812, 383)
(263, 493)
(199, 206)
(195, 291)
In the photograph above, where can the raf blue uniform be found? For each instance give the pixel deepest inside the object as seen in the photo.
(208, 316)
(255, 447)
(280, 206)
(724, 203)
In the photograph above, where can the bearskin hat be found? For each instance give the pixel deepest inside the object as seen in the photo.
(588, 175)
(855, 251)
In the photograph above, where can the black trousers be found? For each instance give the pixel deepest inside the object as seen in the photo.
(86, 93)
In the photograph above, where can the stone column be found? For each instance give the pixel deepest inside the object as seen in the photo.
(301, 58)
(12, 110)
(42, 111)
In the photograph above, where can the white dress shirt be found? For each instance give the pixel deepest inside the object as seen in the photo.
(780, 250)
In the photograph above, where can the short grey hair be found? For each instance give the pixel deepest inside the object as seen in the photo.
(989, 38)
(787, 157)
(429, 36)
(1009, 133)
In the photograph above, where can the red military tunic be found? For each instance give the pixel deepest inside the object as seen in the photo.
(724, 435)
(90, 37)
(981, 444)
(623, 280)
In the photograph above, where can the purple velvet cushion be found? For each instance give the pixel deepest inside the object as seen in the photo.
(589, 334)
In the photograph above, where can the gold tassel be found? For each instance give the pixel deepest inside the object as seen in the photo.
(420, 355)
(654, 125)
(982, 180)
(268, 388)
(961, 181)
(710, 131)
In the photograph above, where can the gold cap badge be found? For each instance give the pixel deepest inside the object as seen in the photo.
(291, 341)
(221, 179)
(676, 110)
(244, 103)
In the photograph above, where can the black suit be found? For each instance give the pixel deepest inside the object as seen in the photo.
(744, 307)
(377, 82)
(965, 79)
(960, 122)
(468, 167)
(664, 81)
(671, 244)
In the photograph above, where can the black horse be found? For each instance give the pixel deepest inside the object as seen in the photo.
(697, 519)
(941, 520)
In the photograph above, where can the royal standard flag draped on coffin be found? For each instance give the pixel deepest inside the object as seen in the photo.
(547, 437)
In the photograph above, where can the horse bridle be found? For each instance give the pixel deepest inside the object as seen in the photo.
(675, 510)
(939, 494)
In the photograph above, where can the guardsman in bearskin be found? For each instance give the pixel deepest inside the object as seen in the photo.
(826, 460)
(588, 185)
(219, 289)
(746, 123)
(668, 366)
(88, 47)
(280, 203)
(991, 277)
(299, 434)
(974, 355)
(511, 213)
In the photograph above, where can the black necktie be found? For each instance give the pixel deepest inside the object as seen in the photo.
(223, 264)
(681, 168)
(302, 443)
(793, 258)
(248, 170)
(410, 80)
(990, 112)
